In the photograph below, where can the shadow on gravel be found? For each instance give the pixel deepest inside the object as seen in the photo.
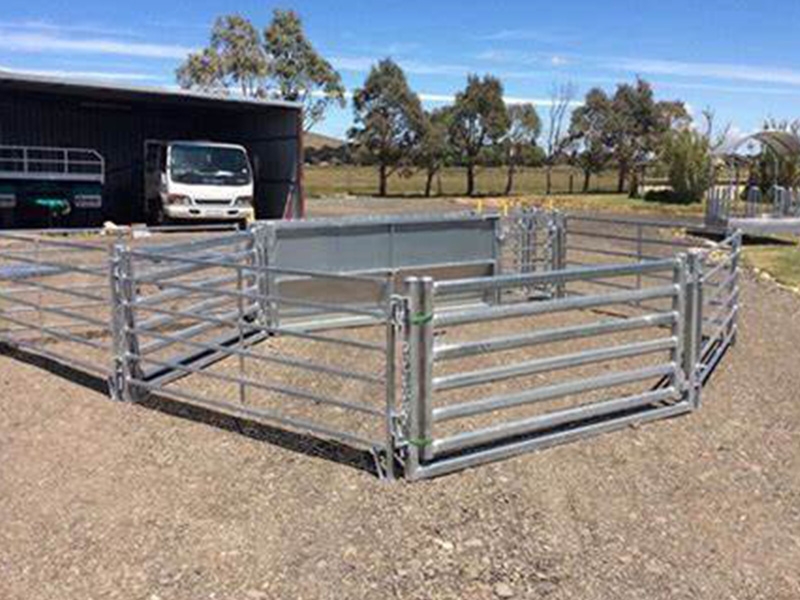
(289, 440)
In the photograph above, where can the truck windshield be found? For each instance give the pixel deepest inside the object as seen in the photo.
(208, 165)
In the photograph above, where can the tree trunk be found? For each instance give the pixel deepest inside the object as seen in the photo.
(382, 181)
(549, 179)
(635, 179)
(429, 183)
(587, 179)
(510, 179)
(622, 177)
(470, 179)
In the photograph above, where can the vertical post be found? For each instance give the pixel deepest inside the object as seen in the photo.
(125, 342)
(266, 246)
(679, 279)
(261, 273)
(393, 306)
(419, 332)
(559, 249)
(240, 330)
(497, 254)
(736, 249)
(639, 258)
(692, 336)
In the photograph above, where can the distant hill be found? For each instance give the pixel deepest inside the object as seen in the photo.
(315, 141)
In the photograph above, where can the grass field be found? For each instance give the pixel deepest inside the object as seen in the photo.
(781, 261)
(491, 181)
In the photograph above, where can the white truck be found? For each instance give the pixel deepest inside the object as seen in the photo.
(197, 181)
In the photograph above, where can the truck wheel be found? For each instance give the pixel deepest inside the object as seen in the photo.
(156, 216)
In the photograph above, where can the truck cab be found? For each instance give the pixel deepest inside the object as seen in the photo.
(197, 181)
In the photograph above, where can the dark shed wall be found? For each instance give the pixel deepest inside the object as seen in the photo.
(116, 124)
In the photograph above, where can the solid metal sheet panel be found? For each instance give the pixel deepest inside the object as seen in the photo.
(370, 244)
(426, 243)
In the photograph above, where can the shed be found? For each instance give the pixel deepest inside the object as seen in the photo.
(115, 120)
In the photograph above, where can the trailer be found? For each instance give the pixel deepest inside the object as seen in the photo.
(42, 186)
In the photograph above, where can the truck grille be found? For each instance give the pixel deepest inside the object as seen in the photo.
(210, 202)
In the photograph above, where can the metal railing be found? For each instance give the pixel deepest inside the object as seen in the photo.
(60, 164)
(664, 386)
(726, 202)
(720, 300)
(55, 300)
(594, 323)
(213, 325)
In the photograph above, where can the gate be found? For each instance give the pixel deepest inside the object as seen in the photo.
(651, 375)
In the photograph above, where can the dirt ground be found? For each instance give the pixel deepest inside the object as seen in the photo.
(105, 500)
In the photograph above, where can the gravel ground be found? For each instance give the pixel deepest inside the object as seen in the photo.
(104, 500)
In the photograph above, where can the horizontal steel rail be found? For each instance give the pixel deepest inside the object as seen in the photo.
(60, 267)
(494, 313)
(500, 344)
(259, 415)
(66, 291)
(721, 266)
(622, 238)
(209, 286)
(377, 313)
(547, 440)
(45, 239)
(614, 253)
(56, 311)
(562, 276)
(188, 266)
(551, 420)
(261, 357)
(162, 251)
(254, 268)
(55, 332)
(94, 368)
(552, 363)
(553, 392)
(283, 390)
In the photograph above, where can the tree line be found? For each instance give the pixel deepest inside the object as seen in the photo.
(625, 130)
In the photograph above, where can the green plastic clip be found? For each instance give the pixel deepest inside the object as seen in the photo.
(421, 318)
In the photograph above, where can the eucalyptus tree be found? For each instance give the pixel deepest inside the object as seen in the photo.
(524, 129)
(280, 64)
(434, 145)
(589, 129)
(479, 121)
(389, 120)
(298, 71)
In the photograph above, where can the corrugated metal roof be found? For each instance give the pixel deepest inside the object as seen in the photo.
(108, 90)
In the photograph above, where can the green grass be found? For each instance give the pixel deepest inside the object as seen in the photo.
(781, 261)
(491, 181)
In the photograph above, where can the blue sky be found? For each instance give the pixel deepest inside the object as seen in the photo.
(742, 58)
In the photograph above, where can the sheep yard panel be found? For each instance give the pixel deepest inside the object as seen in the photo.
(435, 342)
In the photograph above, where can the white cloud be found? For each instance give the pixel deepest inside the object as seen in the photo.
(41, 42)
(445, 98)
(50, 27)
(524, 35)
(362, 64)
(734, 72)
(102, 75)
